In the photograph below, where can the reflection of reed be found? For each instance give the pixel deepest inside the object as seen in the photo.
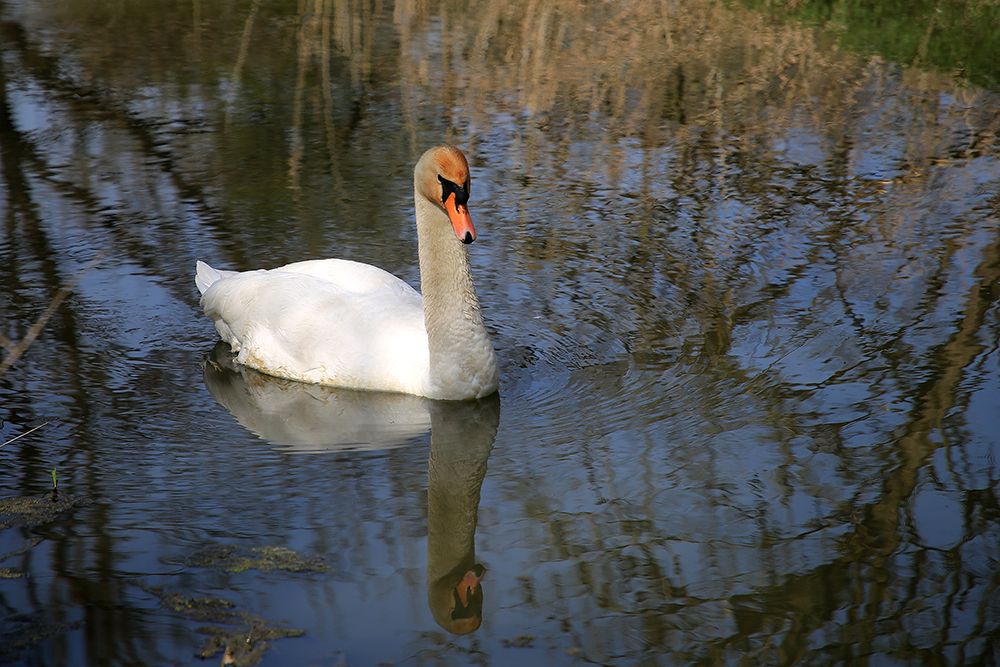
(306, 43)
(326, 83)
(241, 59)
(321, 25)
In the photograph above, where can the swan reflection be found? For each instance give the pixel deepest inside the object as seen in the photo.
(310, 417)
(462, 436)
(307, 417)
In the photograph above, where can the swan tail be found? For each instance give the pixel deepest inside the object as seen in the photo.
(206, 275)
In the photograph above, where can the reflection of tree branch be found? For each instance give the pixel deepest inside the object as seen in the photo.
(782, 619)
(46, 72)
(17, 150)
(931, 408)
(878, 534)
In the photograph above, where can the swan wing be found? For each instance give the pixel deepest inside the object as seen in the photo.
(333, 322)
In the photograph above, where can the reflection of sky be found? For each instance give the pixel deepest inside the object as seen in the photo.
(30, 116)
(800, 146)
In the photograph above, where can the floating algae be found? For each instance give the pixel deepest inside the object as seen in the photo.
(232, 558)
(19, 633)
(21, 511)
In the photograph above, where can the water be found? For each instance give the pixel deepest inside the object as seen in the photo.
(743, 287)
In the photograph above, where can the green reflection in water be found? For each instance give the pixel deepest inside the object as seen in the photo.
(960, 36)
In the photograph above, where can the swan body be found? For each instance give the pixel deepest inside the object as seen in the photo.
(347, 324)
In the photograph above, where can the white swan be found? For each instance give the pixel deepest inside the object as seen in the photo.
(347, 324)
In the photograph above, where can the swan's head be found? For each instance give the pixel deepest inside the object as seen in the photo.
(442, 176)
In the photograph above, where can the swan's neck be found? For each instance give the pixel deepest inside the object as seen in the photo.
(462, 362)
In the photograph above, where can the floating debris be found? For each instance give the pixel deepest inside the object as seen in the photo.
(520, 641)
(241, 645)
(207, 609)
(233, 558)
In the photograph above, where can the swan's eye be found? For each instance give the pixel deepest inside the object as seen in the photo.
(448, 188)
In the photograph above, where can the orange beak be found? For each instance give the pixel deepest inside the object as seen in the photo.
(460, 220)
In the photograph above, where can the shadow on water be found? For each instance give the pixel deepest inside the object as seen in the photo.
(743, 284)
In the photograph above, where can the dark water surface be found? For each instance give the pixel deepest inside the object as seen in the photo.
(743, 286)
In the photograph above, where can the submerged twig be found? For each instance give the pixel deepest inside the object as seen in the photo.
(24, 434)
(17, 350)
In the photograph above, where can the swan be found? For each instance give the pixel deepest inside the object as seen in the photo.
(343, 323)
